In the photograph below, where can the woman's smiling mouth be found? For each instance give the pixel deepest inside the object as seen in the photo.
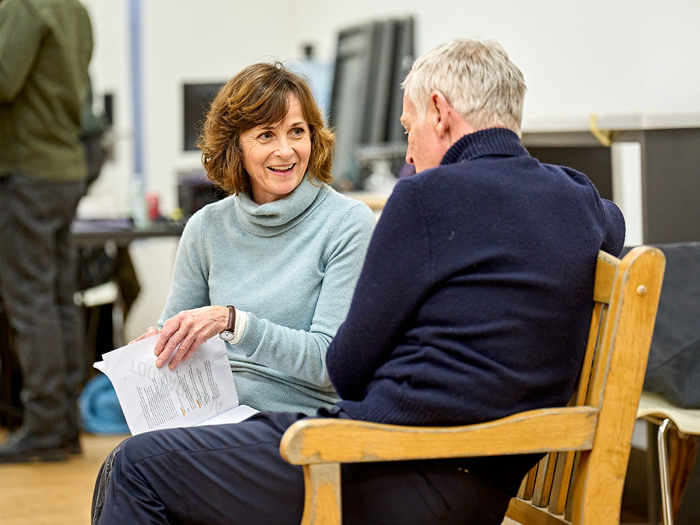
(281, 169)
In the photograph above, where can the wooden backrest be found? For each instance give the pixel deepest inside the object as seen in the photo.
(585, 487)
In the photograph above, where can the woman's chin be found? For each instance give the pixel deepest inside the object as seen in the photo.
(277, 188)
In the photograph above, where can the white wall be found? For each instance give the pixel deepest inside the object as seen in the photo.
(110, 74)
(578, 57)
(181, 42)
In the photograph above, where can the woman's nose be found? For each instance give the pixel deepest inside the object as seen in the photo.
(284, 148)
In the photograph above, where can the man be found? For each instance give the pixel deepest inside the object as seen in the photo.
(45, 49)
(474, 303)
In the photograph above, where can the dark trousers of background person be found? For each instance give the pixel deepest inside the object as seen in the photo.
(234, 474)
(38, 275)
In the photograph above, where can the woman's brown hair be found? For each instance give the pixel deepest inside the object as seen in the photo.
(258, 95)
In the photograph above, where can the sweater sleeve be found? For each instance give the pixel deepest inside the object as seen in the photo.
(21, 32)
(395, 277)
(301, 354)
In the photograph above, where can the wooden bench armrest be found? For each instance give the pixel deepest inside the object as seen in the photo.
(314, 441)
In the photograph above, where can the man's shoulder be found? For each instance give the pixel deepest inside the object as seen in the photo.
(51, 15)
(20, 8)
(54, 14)
(492, 170)
(571, 174)
(55, 4)
(42, 7)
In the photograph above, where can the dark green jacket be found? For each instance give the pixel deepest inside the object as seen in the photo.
(45, 50)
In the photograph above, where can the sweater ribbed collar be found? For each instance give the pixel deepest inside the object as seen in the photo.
(273, 218)
(486, 142)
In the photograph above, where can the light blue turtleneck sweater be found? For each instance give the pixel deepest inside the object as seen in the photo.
(291, 265)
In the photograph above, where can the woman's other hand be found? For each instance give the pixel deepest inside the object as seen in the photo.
(152, 330)
(189, 329)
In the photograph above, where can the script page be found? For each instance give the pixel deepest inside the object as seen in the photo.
(152, 398)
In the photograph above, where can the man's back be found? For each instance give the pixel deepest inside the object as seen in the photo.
(45, 49)
(500, 251)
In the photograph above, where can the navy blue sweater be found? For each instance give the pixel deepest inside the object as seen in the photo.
(475, 297)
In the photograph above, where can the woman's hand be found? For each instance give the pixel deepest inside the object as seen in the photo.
(151, 330)
(189, 329)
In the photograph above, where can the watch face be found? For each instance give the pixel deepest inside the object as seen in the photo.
(227, 336)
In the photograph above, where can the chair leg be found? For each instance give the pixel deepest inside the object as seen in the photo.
(682, 453)
(322, 504)
(666, 502)
(653, 475)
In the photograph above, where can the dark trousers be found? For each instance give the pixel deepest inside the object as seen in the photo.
(37, 281)
(234, 474)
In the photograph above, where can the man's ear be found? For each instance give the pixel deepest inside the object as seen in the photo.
(443, 113)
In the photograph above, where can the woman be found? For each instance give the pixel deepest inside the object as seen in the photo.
(284, 249)
(272, 267)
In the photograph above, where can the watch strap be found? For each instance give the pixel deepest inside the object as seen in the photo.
(231, 326)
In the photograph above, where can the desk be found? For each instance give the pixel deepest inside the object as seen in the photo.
(120, 231)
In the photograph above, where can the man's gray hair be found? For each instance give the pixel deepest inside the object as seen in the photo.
(476, 77)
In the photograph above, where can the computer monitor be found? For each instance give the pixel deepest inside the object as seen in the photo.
(196, 101)
(404, 55)
(366, 97)
(352, 80)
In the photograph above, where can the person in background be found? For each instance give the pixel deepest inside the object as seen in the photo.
(45, 50)
(474, 303)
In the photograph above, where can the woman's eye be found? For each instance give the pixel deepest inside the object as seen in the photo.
(298, 132)
(265, 135)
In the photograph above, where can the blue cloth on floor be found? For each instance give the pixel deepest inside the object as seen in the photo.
(100, 408)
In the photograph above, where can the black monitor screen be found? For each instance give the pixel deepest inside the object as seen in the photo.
(366, 100)
(196, 101)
